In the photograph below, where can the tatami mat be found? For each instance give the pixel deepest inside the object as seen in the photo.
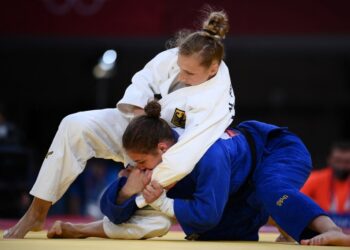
(172, 241)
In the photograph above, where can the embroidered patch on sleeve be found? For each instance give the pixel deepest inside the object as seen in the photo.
(179, 118)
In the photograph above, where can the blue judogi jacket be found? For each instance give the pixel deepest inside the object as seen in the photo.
(217, 202)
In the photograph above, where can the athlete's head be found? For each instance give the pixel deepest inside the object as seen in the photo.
(201, 52)
(147, 137)
(339, 160)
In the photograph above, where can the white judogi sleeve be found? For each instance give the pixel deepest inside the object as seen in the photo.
(145, 83)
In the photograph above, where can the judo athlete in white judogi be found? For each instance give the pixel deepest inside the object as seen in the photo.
(194, 88)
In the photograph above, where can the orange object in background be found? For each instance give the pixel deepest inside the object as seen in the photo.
(330, 193)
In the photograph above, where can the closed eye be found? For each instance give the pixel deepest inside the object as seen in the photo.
(188, 73)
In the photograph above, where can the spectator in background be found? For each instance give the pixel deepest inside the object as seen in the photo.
(15, 168)
(330, 187)
(10, 135)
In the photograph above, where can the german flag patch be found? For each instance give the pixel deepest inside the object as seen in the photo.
(179, 118)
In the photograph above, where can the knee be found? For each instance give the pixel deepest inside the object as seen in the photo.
(159, 226)
(164, 225)
(74, 124)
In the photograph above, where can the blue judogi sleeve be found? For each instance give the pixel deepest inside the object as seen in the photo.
(205, 209)
(117, 213)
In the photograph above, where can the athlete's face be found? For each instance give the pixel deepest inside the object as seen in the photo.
(149, 161)
(192, 73)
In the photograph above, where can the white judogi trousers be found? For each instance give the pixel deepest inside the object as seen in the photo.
(144, 224)
(80, 136)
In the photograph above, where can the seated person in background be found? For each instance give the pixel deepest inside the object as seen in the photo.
(10, 135)
(330, 187)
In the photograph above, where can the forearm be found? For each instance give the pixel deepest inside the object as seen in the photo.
(117, 212)
(122, 196)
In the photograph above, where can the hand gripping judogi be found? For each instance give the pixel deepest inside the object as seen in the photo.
(204, 110)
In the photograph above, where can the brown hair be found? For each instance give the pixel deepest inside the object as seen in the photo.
(144, 132)
(207, 42)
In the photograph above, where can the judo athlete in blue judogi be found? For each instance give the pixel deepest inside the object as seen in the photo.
(252, 172)
(227, 197)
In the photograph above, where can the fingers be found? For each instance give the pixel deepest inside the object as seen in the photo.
(149, 188)
(156, 185)
(147, 195)
(152, 191)
(147, 177)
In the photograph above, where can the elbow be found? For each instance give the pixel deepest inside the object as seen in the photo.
(212, 221)
(208, 220)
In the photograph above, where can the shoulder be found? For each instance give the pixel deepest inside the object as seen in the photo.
(169, 53)
(215, 155)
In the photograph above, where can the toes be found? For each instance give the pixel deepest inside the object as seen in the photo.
(305, 242)
(317, 241)
(55, 230)
(6, 234)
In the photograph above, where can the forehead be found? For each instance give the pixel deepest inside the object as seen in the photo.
(139, 156)
(135, 154)
(188, 62)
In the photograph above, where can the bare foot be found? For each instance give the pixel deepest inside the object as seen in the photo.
(23, 226)
(330, 238)
(282, 238)
(64, 230)
(32, 220)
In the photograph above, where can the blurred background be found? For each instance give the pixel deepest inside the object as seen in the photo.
(289, 63)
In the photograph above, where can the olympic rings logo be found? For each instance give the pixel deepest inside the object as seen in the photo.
(82, 7)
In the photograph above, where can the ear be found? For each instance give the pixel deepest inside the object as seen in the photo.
(163, 147)
(214, 67)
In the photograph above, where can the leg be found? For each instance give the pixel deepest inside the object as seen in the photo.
(68, 230)
(80, 137)
(330, 234)
(144, 224)
(33, 219)
(296, 213)
(283, 171)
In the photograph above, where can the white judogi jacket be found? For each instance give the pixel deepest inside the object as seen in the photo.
(204, 110)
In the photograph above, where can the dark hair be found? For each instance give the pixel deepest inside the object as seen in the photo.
(207, 42)
(144, 132)
(340, 145)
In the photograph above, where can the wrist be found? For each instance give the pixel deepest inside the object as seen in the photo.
(123, 195)
(164, 204)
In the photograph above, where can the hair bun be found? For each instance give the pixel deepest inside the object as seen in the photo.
(216, 24)
(152, 109)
